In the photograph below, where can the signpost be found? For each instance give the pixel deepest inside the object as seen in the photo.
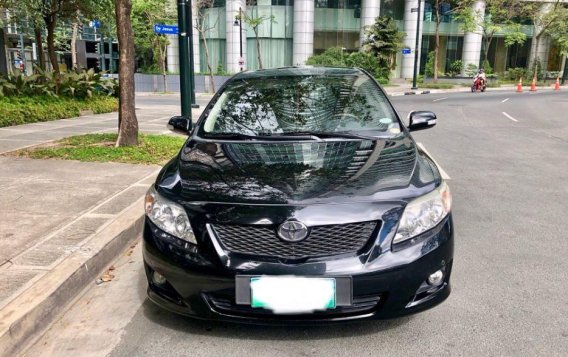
(166, 29)
(406, 51)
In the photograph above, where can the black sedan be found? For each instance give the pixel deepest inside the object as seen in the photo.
(299, 196)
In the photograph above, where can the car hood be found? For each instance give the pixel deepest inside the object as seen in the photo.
(298, 173)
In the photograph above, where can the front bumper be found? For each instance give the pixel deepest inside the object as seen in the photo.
(386, 286)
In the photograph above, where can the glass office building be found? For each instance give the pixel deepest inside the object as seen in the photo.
(293, 30)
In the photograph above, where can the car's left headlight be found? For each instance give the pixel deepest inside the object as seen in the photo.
(424, 213)
(168, 216)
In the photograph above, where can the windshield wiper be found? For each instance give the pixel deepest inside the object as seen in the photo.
(327, 134)
(273, 137)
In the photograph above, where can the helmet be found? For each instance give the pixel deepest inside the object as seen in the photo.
(481, 70)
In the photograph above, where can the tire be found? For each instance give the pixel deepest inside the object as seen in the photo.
(483, 89)
(473, 88)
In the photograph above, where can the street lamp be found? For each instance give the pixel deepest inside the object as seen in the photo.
(414, 75)
(239, 22)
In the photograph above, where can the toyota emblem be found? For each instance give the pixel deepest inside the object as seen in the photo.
(292, 231)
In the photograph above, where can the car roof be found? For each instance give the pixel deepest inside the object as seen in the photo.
(295, 71)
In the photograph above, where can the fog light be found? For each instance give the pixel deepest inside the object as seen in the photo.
(158, 278)
(436, 278)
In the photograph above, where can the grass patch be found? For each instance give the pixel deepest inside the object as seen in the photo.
(436, 85)
(32, 109)
(153, 149)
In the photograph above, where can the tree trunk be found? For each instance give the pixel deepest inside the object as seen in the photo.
(39, 44)
(211, 79)
(127, 121)
(50, 25)
(258, 48)
(74, 45)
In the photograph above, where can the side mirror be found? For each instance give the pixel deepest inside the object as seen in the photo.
(180, 125)
(420, 120)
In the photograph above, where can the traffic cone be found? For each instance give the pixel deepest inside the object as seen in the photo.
(557, 84)
(520, 86)
(533, 85)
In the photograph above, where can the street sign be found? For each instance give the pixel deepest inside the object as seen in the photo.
(166, 29)
(406, 51)
(95, 24)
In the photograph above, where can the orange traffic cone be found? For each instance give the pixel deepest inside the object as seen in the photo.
(533, 85)
(520, 86)
(557, 84)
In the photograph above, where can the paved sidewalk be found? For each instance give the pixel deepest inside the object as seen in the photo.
(63, 220)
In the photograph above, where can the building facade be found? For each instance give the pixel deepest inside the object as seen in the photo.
(294, 30)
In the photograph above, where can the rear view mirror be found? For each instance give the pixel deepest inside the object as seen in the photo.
(180, 125)
(420, 120)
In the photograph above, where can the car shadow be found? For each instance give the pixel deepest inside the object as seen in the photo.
(188, 325)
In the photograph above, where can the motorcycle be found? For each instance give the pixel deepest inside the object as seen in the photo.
(478, 85)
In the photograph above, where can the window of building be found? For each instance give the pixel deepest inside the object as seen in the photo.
(282, 2)
(219, 3)
(392, 8)
(338, 4)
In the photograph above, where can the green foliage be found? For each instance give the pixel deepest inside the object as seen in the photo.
(383, 40)
(487, 67)
(79, 84)
(220, 70)
(336, 57)
(31, 109)
(153, 149)
(150, 47)
(455, 68)
(471, 70)
(515, 73)
(429, 66)
(539, 73)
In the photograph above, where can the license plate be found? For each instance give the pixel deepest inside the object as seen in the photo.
(289, 295)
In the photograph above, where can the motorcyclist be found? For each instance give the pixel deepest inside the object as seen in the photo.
(481, 76)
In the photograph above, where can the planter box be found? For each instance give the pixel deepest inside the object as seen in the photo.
(154, 83)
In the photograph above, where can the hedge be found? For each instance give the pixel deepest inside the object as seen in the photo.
(22, 110)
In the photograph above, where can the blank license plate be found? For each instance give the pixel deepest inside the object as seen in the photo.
(289, 295)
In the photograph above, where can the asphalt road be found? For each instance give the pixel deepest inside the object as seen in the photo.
(507, 156)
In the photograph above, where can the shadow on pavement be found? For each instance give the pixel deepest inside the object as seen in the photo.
(187, 325)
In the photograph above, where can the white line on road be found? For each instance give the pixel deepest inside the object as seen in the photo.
(439, 99)
(504, 100)
(444, 174)
(510, 117)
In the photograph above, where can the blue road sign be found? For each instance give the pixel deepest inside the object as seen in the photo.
(406, 51)
(166, 29)
(95, 24)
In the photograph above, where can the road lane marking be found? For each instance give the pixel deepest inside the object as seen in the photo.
(439, 99)
(444, 174)
(504, 100)
(510, 117)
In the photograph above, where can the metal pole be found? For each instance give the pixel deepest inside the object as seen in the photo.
(415, 74)
(185, 74)
(23, 50)
(241, 59)
(110, 64)
(191, 64)
(565, 72)
(103, 64)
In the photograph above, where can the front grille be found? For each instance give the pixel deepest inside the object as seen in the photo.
(322, 240)
(225, 303)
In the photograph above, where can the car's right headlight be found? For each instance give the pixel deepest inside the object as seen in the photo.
(168, 216)
(424, 213)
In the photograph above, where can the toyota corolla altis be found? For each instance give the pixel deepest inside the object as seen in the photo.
(299, 196)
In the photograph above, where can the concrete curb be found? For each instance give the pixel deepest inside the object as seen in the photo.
(28, 316)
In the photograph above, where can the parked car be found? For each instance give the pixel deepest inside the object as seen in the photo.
(299, 196)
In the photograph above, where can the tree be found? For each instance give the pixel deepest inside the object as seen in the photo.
(202, 26)
(499, 16)
(127, 121)
(545, 21)
(145, 14)
(383, 41)
(254, 21)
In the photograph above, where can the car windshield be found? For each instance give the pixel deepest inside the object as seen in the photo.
(349, 102)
